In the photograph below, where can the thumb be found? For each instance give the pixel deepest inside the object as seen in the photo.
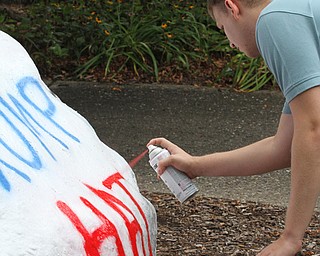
(164, 164)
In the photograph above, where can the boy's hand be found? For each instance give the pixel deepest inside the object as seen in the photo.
(282, 247)
(178, 159)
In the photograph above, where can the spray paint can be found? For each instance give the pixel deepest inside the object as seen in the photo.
(178, 182)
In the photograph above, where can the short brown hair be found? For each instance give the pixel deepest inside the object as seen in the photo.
(249, 3)
(220, 4)
(215, 3)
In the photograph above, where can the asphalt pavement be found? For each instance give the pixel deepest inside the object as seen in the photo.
(199, 119)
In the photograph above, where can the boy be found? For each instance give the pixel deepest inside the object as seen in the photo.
(286, 34)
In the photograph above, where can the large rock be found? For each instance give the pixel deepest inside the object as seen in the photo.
(63, 192)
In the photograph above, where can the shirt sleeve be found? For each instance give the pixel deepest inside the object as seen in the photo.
(289, 44)
(286, 108)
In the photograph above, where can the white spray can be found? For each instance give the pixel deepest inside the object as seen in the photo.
(178, 182)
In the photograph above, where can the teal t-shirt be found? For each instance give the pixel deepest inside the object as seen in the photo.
(288, 38)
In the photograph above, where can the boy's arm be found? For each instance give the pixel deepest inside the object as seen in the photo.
(267, 155)
(263, 156)
(305, 171)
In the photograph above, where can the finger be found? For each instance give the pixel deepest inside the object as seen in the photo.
(160, 172)
(164, 143)
(158, 141)
(163, 164)
(153, 142)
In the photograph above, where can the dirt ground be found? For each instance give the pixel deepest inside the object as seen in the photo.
(215, 227)
(229, 216)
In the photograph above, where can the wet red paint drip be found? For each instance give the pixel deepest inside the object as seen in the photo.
(94, 240)
(136, 160)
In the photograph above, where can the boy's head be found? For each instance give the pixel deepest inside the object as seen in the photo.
(237, 18)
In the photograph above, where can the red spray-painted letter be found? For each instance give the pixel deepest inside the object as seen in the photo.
(94, 240)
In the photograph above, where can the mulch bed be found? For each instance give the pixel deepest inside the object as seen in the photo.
(211, 226)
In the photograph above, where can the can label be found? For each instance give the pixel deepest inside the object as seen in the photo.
(178, 182)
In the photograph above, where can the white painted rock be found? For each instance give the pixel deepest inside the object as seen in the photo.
(63, 192)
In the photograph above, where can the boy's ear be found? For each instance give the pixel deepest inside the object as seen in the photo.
(233, 7)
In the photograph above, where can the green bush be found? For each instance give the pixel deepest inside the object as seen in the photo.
(139, 35)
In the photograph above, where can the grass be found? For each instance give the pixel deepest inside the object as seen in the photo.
(134, 40)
